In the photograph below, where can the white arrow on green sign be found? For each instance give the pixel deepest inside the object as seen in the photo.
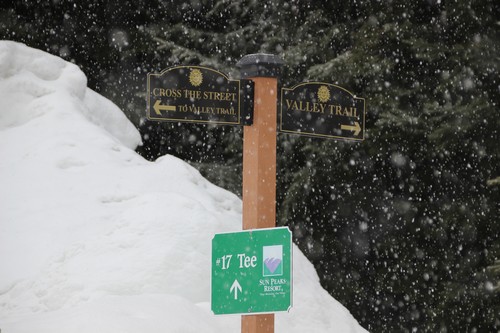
(236, 286)
(252, 271)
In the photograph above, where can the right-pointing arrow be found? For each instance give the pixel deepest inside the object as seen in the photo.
(235, 286)
(356, 128)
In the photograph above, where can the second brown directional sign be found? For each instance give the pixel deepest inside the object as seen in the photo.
(199, 94)
(321, 109)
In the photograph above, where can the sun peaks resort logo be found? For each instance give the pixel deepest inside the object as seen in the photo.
(323, 94)
(273, 260)
(195, 77)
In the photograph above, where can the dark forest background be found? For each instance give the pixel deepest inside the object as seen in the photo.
(404, 227)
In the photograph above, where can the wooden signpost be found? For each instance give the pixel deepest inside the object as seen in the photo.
(261, 269)
(259, 160)
(204, 95)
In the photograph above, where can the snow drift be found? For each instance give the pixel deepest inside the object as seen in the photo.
(94, 238)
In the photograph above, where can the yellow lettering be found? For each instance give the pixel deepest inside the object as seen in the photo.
(157, 91)
(322, 107)
(166, 92)
(192, 94)
(306, 106)
(219, 96)
(338, 110)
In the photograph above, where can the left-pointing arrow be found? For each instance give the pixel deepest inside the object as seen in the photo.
(158, 107)
(235, 286)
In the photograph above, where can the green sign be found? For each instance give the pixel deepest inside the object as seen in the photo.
(252, 271)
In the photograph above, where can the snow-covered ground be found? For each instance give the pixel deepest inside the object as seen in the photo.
(94, 238)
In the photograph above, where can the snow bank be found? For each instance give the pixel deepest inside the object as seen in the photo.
(93, 238)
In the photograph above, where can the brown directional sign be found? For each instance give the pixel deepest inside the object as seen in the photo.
(321, 109)
(199, 94)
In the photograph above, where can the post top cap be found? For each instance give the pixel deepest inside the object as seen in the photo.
(260, 64)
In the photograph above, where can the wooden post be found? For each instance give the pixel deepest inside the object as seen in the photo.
(259, 160)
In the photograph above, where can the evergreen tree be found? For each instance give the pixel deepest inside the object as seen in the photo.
(404, 222)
